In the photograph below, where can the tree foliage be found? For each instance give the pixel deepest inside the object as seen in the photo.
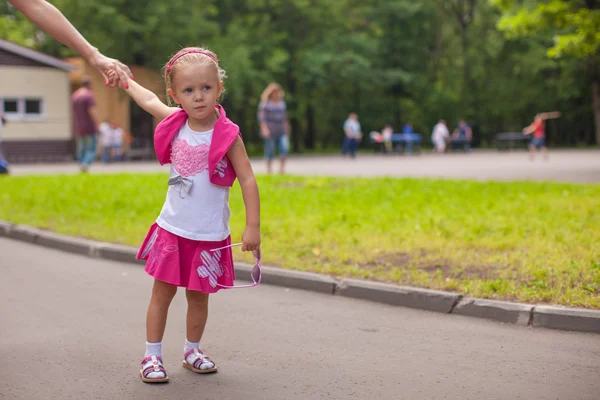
(494, 62)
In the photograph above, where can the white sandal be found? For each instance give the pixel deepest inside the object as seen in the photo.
(199, 361)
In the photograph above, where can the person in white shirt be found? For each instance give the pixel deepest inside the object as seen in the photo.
(352, 135)
(111, 136)
(440, 136)
(117, 143)
(106, 140)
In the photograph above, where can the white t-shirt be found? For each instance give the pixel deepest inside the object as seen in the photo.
(110, 136)
(195, 208)
(387, 134)
(354, 127)
(440, 133)
(105, 134)
(117, 138)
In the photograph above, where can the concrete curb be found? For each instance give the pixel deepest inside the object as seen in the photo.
(23, 233)
(297, 279)
(501, 311)
(117, 252)
(5, 228)
(425, 299)
(570, 319)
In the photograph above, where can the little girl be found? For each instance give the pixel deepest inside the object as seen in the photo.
(206, 154)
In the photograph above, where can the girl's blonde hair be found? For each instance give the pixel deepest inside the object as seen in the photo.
(195, 55)
(268, 92)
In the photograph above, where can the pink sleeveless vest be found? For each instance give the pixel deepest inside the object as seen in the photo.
(225, 132)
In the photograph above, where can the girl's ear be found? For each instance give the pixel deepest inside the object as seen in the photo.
(172, 94)
(221, 85)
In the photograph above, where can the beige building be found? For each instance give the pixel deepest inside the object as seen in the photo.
(35, 98)
(35, 101)
(115, 105)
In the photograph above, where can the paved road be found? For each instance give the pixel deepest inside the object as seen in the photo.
(565, 166)
(73, 328)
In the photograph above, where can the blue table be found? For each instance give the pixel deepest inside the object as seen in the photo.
(408, 141)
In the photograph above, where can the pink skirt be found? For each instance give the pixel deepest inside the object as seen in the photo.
(185, 262)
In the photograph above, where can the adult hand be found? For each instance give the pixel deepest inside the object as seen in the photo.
(117, 78)
(105, 65)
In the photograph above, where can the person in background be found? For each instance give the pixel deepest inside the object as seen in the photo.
(86, 127)
(3, 162)
(274, 125)
(538, 128)
(119, 138)
(106, 139)
(49, 19)
(352, 135)
(112, 138)
(386, 134)
(440, 136)
(462, 135)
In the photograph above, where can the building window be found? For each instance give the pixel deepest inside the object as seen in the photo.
(11, 106)
(33, 106)
(22, 109)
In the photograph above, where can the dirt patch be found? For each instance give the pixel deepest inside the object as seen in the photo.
(430, 263)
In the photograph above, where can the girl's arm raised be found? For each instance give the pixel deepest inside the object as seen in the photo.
(239, 159)
(148, 100)
(143, 97)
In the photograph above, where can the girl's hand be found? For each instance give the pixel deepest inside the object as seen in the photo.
(251, 239)
(117, 78)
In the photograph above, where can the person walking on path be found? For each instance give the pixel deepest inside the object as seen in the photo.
(352, 135)
(86, 126)
(274, 125)
(189, 245)
(538, 129)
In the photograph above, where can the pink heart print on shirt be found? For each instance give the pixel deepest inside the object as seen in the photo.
(189, 160)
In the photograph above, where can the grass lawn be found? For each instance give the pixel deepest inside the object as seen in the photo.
(526, 241)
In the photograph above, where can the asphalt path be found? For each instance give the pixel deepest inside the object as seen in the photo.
(72, 327)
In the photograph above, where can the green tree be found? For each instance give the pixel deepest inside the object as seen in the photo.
(571, 27)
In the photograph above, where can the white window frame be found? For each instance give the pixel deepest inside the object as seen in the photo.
(21, 115)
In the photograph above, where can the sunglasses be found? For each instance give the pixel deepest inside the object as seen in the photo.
(255, 274)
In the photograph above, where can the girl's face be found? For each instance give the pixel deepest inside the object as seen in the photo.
(197, 88)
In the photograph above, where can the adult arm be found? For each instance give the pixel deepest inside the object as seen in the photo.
(53, 22)
(264, 128)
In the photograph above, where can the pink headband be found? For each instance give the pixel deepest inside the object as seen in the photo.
(189, 52)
